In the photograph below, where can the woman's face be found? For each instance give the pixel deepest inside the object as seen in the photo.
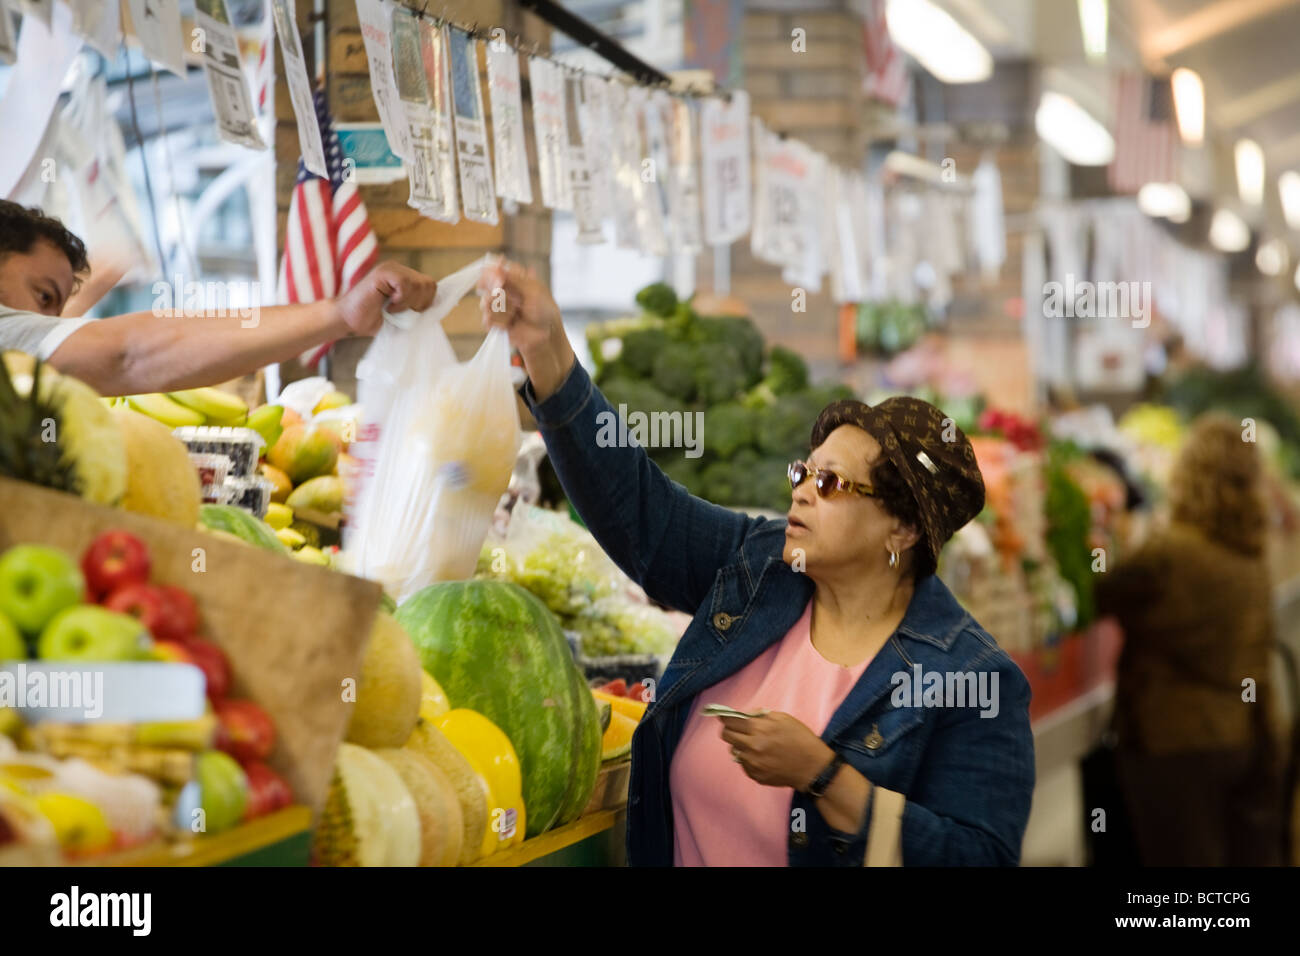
(846, 529)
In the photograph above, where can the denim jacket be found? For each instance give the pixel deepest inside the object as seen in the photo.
(967, 779)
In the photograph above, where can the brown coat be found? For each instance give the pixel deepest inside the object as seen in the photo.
(1197, 620)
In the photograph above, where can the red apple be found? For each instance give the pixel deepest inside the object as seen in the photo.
(212, 661)
(244, 730)
(114, 560)
(267, 790)
(181, 617)
(144, 602)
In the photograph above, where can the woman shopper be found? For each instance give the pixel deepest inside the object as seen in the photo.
(830, 621)
(1195, 752)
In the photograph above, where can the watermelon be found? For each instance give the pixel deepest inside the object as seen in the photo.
(242, 525)
(495, 648)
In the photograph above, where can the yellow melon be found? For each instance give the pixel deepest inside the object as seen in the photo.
(471, 789)
(441, 826)
(160, 478)
(617, 740)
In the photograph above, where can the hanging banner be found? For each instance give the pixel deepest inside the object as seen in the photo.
(642, 135)
(375, 21)
(157, 24)
(100, 24)
(807, 268)
(549, 120)
(778, 236)
(413, 93)
(508, 141)
(724, 169)
(295, 72)
(478, 198)
(684, 183)
(43, 10)
(236, 121)
(433, 53)
(585, 209)
(656, 167)
(8, 39)
(842, 248)
(597, 141)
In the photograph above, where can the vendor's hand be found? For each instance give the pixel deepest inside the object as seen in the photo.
(513, 298)
(388, 287)
(776, 750)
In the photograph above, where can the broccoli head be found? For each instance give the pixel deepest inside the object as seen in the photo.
(718, 373)
(658, 298)
(823, 395)
(674, 371)
(741, 334)
(786, 371)
(640, 348)
(638, 396)
(683, 470)
(728, 428)
(772, 484)
(784, 428)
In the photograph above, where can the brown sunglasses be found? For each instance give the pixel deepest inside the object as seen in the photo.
(825, 480)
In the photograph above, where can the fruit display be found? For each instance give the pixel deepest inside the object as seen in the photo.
(107, 786)
(496, 649)
(757, 403)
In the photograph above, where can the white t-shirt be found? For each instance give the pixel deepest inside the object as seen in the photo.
(33, 333)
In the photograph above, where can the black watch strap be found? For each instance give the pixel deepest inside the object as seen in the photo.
(819, 786)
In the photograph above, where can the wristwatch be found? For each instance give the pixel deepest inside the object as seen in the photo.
(823, 780)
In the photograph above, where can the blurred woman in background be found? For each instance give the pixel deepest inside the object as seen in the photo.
(1196, 756)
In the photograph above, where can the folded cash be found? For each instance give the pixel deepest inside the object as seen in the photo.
(722, 710)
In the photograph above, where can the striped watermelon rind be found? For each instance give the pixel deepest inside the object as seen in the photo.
(495, 648)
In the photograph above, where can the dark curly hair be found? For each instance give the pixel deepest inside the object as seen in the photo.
(896, 498)
(21, 227)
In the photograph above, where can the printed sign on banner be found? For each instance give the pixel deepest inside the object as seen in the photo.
(724, 169)
(368, 150)
(656, 166)
(236, 121)
(100, 23)
(375, 32)
(295, 71)
(478, 197)
(649, 205)
(778, 236)
(597, 141)
(157, 23)
(684, 185)
(549, 133)
(841, 252)
(413, 93)
(433, 53)
(806, 269)
(508, 140)
(581, 187)
(626, 160)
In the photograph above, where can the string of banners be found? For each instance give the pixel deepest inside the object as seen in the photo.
(669, 172)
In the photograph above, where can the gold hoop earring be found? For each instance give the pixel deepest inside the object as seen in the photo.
(893, 559)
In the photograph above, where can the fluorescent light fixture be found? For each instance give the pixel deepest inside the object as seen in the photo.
(1229, 232)
(1072, 132)
(1271, 257)
(1288, 186)
(1165, 201)
(1250, 171)
(1189, 105)
(1297, 277)
(938, 42)
(1093, 15)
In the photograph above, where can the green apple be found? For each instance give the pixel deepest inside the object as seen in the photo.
(223, 790)
(12, 646)
(37, 583)
(90, 633)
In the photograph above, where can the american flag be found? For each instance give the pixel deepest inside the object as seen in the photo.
(886, 75)
(328, 243)
(1146, 139)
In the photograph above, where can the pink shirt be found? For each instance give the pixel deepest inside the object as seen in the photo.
(720, 816)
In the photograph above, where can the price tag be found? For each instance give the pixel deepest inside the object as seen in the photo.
(724, 150)
(478, 198)
(509, 144)
(236, 120)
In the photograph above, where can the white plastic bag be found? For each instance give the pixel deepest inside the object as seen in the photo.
(435, 451)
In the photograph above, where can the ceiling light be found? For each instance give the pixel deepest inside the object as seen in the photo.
(1271, 257)
(1072, 132)
(1250, 171)
(1229, 232)
(938, 42)
(1165, 201)
(1288, 187)
(1297, 277)
(1093, 15)
(1189, 105)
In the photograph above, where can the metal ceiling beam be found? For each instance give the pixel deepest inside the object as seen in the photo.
(1262, 100)
(587, 35)
(1219, 17)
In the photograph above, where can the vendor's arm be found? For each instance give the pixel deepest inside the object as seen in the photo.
(144, 352)
(664, 538)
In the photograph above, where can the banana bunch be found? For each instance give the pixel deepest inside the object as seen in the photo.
(192, 406)
(166, 765)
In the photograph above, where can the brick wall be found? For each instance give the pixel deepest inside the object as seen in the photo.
(434, 248)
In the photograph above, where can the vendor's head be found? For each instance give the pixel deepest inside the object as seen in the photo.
(40, 260)
(883, 489)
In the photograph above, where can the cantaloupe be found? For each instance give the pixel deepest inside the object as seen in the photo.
(160, 478)
(617, 740)
(389, 688)
(370, 817)
(624, 705)
(471, 789)
(441, 824)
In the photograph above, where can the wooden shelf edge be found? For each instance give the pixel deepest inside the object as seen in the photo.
(208, 851)
(554, 840)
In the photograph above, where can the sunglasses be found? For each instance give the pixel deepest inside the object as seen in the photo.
(825, 480)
